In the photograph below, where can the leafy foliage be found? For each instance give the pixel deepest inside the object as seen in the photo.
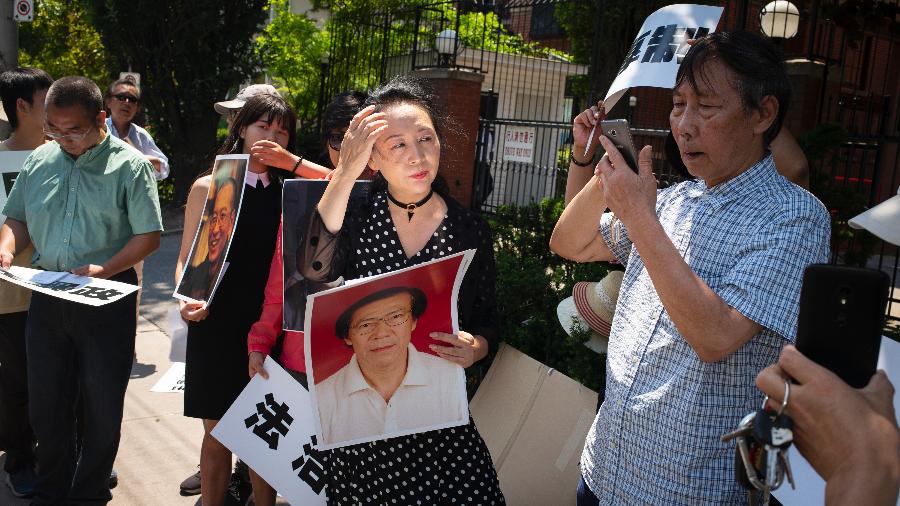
(62, 41)
(292, 47)
(190, 53)
(362, 35)
(531, 281)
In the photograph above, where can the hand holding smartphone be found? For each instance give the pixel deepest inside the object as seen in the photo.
(618, 131)
(841, 319)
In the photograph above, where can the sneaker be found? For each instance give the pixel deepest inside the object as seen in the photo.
(240, 492)
(113, 479)
(191, 484)
(21, 483)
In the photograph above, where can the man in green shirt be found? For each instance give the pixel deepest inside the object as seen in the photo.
(88, 204)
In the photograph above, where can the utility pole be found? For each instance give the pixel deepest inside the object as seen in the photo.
(9, 36)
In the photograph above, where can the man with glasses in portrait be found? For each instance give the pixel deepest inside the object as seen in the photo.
(88, 204)
(388, 386)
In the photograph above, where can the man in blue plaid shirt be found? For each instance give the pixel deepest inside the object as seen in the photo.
(712, 280)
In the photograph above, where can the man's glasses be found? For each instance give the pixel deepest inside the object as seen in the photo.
(367, 327)
(125, 97)
(335, 139)
(75, 137)
(219, 218)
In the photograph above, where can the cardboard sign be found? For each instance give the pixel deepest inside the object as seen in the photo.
(300, 198)
(172, 381)
(534, 421)
(810, 487)
(10, 164)
(206, 264)
(270, 427)
(355, 332)
(68, 286)
(659, 47)
(518, 144)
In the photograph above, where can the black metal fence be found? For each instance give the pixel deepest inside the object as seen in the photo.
(524, 132)
(849, 58)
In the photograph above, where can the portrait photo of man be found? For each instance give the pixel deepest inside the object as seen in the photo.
(206, 262)
(388, 387)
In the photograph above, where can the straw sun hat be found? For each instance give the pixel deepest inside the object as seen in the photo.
(591, 308)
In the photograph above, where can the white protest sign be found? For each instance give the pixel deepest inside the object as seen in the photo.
(518, 144)
(659, 47)
(68, 286)
(172, 380)
(810, 487)
(10, 164)
(270, 427)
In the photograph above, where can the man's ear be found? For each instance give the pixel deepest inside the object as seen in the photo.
(348, 342)
(101, 119)
(415, 321)
(22, 106)
(766, 114)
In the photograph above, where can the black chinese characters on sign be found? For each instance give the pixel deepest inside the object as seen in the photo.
(311, 470)
(663, 44)
(276, 420)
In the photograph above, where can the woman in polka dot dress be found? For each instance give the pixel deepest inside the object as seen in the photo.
(407, 219)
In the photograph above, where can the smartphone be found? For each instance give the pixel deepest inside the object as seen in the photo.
(842, 318)
(618, 131)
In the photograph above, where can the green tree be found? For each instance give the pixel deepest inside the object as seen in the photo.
(62, 42)
(292, 47)
(190, 53)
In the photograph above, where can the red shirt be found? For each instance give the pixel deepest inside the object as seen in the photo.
(266, 330)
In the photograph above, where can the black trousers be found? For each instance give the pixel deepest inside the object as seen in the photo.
(15, 429)
(74, 349)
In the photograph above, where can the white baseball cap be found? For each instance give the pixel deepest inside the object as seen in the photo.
(237, 102)
(882, 220)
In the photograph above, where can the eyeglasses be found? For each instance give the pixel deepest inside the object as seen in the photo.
(220, 218)
(335, 139)
(75, 137)
(125, 97)
(367, 327)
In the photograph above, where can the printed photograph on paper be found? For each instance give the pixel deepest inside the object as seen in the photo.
(206, 263)
(372, 372)
(299, 200)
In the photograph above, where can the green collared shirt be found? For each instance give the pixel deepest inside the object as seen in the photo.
(83, 211)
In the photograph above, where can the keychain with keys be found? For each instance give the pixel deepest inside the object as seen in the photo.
(762, 439)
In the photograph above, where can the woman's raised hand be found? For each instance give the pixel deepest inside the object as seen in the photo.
(273, 154)
(356, 149)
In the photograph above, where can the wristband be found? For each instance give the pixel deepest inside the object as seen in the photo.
(297, 164)
(576, 162)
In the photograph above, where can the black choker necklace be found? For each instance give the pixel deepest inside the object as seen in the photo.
(410, 208)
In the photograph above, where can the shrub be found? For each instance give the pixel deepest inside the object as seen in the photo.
(531, 281)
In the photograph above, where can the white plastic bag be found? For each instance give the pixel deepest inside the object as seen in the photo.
(178, 334)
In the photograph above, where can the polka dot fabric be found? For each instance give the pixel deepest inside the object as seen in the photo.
(447, 466)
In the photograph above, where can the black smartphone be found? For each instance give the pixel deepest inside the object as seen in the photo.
(618, 131)
(842, 318)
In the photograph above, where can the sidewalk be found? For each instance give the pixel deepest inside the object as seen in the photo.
(159, 446)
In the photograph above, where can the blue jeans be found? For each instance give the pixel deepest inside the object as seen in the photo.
(74, 349)
(584, 496)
